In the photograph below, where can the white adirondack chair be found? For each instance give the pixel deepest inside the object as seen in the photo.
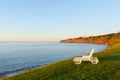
(93, 60)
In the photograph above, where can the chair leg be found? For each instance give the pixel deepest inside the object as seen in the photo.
(78, 62)
(94, 61)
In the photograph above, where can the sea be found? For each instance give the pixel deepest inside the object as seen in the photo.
(16, 57)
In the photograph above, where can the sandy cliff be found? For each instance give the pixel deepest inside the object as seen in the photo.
(101, 39)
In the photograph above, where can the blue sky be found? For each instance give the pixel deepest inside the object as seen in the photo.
(53, 20)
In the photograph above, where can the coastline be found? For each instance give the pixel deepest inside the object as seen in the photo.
(108, 39)
(109, 57)
(19, 71)
(104, 70)
(23, 70)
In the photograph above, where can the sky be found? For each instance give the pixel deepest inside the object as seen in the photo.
(54, 20)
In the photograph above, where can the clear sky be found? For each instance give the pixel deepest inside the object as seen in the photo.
(53, 20)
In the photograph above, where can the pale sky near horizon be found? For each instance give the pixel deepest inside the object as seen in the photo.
(53, 20)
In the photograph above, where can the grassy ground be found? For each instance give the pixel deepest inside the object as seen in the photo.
(107, 69)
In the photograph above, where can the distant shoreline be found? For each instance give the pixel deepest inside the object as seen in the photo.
(107, 39)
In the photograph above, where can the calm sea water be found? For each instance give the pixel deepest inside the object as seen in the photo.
(16, 57)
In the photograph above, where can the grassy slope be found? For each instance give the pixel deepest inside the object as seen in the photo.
(107, 69)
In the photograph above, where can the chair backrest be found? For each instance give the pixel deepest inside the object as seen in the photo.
(92, 51)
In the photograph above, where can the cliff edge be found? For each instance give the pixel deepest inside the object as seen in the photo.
(108, 39)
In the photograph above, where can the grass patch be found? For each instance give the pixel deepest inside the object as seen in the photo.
(107, 69)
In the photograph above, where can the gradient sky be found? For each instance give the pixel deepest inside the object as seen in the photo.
(53, 20)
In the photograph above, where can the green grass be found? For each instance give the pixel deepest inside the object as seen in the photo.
(107, 69)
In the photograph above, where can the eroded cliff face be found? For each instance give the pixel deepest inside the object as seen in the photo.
(102, 39)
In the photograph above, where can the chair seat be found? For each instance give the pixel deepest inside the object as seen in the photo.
(79, 59)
